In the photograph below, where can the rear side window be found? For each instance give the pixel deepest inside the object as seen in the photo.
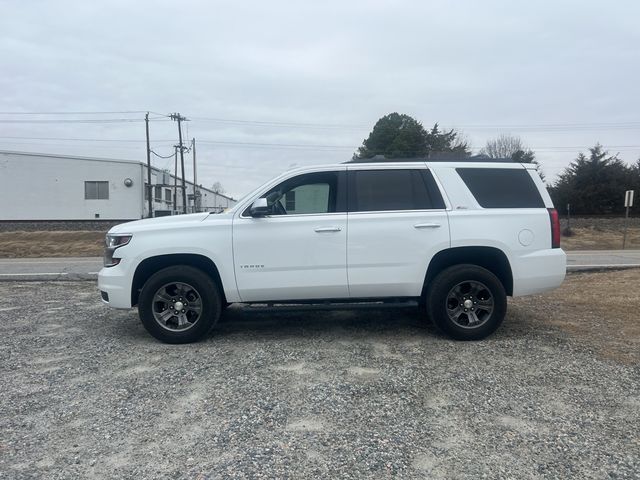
(502, 187)
(383, 190)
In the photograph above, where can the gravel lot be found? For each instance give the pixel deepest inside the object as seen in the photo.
(86, 393)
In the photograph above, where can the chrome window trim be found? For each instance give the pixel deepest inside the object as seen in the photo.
(295, 215)
(427, 210)
(430, 210)
(363, 166)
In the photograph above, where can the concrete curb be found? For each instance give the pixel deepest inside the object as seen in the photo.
(55, 277)
(597, 268)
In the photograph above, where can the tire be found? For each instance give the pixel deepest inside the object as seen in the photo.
(471, 287)
(179, 304)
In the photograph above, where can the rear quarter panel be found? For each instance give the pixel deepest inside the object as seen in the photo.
(523, 234)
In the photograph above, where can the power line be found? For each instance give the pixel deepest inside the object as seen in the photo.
(274, 123)
(264, 144)
(551, 125)
(161, 156)
(88, 120)
(73, 145)
(78, 139)
(260, 123)
(550, 128)
(289, 145)
(572, 147)
(78, 113)
(559, 125)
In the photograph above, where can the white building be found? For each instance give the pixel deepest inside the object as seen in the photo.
(35, 186)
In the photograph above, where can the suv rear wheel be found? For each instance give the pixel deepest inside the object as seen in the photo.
(467, 302)
(179, 304)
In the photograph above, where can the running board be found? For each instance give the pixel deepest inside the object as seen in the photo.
(288, 307)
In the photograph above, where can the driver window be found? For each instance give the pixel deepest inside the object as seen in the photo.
(308, 193)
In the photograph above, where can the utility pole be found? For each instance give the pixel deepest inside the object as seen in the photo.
(195, 175)
(175, 178)
(179, 118)
(146, 121)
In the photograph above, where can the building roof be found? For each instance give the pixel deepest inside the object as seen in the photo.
(99, 159)
(72, 157)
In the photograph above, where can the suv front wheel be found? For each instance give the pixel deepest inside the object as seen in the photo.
(467, 302)
(179, 304)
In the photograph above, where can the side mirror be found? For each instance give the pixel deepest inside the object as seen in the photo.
(259, 208)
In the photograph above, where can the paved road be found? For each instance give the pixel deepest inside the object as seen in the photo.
(590, 259)
(71, 268)
(86, 268)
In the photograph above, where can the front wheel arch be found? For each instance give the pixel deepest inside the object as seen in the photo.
(154, 264)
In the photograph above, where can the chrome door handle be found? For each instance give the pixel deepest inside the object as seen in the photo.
(327, 229)
(426, 225)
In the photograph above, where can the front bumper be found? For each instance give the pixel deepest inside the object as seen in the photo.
(115, 282)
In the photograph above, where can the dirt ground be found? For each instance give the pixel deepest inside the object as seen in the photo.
(597, 309)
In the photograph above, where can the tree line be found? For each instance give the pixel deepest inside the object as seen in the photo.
(595, 183)
(592, 184)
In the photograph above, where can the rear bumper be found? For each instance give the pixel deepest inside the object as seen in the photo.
(539, 271)
(115, 283)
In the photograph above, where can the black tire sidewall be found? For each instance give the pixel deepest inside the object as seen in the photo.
(206, 288)
(445, 281)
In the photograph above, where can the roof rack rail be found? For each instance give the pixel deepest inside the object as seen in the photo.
(434, 157)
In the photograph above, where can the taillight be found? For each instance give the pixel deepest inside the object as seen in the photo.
(555, 227)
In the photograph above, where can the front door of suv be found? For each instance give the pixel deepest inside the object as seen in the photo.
(397, 221)
(298, 250)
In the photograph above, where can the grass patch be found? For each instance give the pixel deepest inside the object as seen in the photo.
(598, 309)
(594, 238)
(51, 244)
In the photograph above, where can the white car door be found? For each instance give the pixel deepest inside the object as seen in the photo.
(298, 250)
(397, 221)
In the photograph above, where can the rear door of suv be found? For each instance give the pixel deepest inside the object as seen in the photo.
(397, 221)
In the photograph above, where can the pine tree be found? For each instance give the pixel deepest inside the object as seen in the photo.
(593, 184)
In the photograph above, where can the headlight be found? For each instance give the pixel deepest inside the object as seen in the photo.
(115, 241)
(112, 242)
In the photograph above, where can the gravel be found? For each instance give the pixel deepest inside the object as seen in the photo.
(86, 393)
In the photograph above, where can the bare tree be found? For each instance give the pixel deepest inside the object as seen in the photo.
(511, 146)
(217, 188)
(505, 146)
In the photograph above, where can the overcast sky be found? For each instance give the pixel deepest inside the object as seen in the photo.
(562, 75)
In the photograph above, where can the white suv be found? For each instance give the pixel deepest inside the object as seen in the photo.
(457, 237)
